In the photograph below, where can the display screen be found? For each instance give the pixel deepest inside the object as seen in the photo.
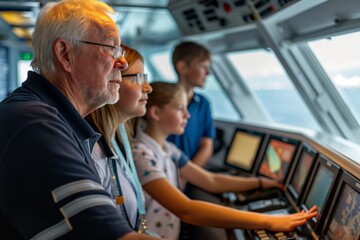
(345, 223)
(320, 187)
(243, 150)
(301, 173)
(277, 158)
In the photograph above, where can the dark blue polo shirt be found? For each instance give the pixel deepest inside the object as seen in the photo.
(49, 188)
(199, 125)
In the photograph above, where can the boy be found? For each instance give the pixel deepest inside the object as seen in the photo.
(192, 62)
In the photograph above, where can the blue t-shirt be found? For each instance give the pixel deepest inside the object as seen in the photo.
(199, 125)
(48, 182)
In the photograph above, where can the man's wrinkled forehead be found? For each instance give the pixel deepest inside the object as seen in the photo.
(106, 27)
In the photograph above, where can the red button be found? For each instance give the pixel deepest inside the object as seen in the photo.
(227, 7)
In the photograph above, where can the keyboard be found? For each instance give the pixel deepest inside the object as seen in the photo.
(266, 235)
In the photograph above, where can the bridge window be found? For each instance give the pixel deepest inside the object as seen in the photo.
(222, 108)
(23, 66)
(339, 56)
(263, 73)
(4, 75)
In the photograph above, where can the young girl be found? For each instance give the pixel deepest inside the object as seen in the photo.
(113, 157)
(158, 163)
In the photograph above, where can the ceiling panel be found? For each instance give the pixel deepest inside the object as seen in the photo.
(138, 20)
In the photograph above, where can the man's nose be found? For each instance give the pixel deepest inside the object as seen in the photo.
(121, 64)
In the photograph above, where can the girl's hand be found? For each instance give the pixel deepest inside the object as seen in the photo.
(290, 222)
(269, 183)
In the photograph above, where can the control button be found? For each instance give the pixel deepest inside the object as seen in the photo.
(279, 234)
(227, 7)
(262, 235)
(260, 231)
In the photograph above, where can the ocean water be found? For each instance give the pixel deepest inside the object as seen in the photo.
(284, 106)
(287, 107)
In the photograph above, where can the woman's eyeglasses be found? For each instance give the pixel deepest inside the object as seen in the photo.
(138, 78)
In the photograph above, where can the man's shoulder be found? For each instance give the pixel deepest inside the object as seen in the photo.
(25, 112)
(23, 99)
(14, 105)
(26, 119)
(200, 99)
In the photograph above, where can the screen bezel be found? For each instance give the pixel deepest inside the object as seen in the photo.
(316, 223)
(294, 142)
(249, 132)
(346, 179)
(296, 197)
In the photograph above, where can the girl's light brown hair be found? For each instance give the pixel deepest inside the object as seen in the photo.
(163, 93)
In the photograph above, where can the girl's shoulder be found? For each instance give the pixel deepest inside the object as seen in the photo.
(142, 148)
(172, 147)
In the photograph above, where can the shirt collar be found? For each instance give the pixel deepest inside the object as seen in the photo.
(101, 140)
(50, 94)
(152, 144)
(195, 98)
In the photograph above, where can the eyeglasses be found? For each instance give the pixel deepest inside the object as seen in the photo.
(117, 53)
(138, 78)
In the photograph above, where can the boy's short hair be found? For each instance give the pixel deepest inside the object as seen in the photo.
(188, 51)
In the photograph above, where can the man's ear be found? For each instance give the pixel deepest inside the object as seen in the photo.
(61, 52)
(181, 67)
(154, 113)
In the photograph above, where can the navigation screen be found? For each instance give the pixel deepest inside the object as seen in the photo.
(319, 188)
(346, 221)
(243, 150)
(301, 172)
(277, 159)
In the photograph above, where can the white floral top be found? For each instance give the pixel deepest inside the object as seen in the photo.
(153, 162)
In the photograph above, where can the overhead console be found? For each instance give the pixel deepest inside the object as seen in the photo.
(202, 16)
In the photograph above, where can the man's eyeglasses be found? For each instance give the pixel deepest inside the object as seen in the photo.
(138, 78)
(117, 53)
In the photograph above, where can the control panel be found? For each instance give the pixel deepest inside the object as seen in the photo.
(201, 16)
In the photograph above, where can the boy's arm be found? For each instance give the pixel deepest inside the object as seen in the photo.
(205, 152)
(206, 146)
